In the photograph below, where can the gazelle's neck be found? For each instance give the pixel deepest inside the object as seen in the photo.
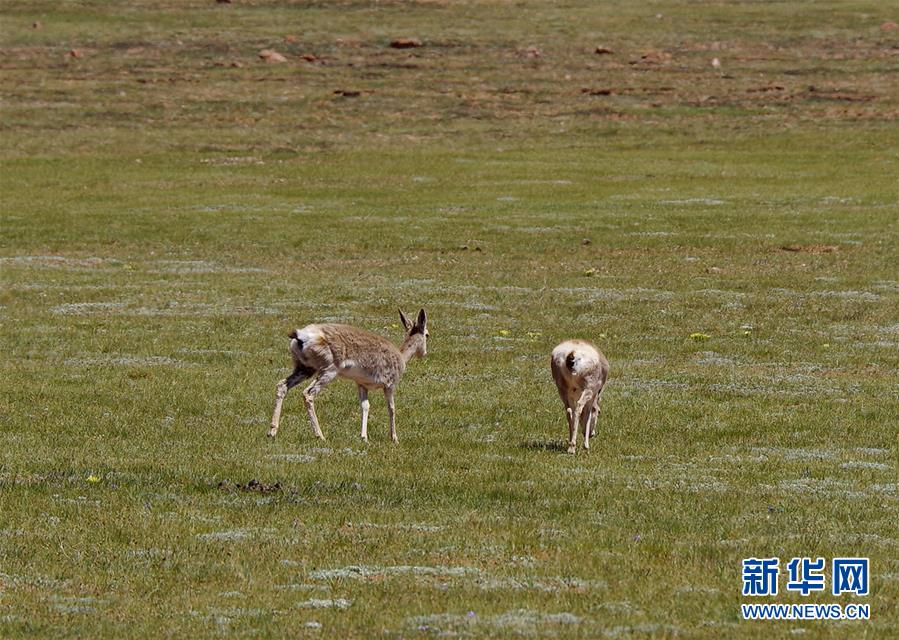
(408, 349)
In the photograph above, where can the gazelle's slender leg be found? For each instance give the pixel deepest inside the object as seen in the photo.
(588, 419)
(596, 411)
(576, 421)
(324, 377)
(363, 403)
(300, 373)
(569, 415)
(391, 412)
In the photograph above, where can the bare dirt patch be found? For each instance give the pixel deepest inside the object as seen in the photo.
(810, 248)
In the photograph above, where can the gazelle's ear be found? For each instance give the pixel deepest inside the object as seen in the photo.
(405, 321)
(422, 319)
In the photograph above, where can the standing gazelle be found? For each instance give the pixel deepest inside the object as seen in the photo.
(580, 371)
(327, 351)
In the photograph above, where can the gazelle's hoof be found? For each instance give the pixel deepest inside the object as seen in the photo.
(395, 440)
(572, 448)
(365, 439)
(272, 432)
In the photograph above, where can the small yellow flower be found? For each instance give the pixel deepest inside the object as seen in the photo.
(747, 332)
(700, 336)
(589, 272)
(93, 478)
(503, 332)
(534, 334)
(825, 345)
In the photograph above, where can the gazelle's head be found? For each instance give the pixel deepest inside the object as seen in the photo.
(416, 340)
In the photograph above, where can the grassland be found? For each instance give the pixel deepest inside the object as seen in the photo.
(172, 205)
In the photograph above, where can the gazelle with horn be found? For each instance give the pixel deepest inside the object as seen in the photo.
(328, 351)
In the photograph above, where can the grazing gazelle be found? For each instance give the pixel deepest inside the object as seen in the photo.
(372, 362)
(580, 371)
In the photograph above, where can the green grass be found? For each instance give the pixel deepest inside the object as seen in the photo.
(167, 217)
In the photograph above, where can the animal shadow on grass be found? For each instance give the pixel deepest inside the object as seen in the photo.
(544, 445)
(253, 486)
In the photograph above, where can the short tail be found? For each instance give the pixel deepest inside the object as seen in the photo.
(569, 361)
(295, 335)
